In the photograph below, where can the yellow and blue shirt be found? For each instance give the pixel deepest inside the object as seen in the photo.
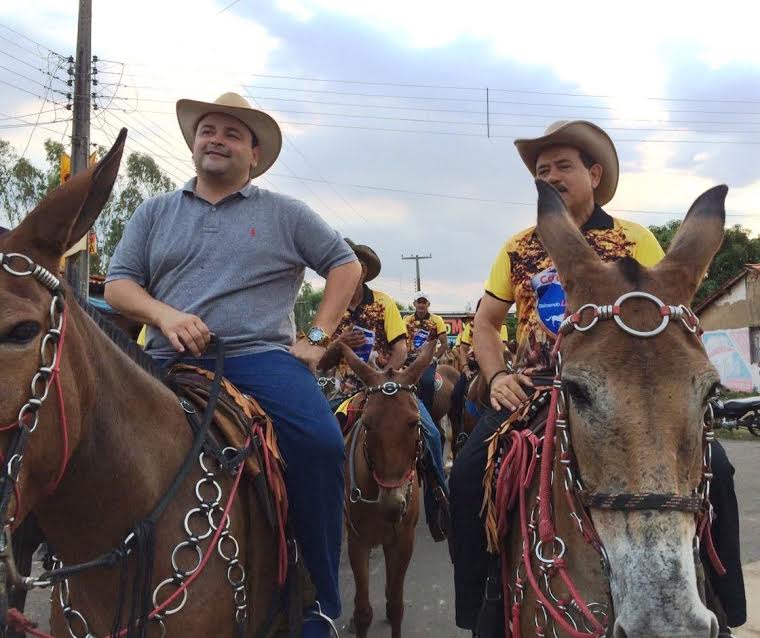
(420, 331)
(523, 272)
(378, 317)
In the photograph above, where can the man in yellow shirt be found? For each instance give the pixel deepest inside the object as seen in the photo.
(421, 327)
(467, 357)
(579, 159)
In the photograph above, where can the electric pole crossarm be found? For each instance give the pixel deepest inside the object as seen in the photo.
(417, 263)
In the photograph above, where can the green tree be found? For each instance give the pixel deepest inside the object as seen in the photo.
(307, 302)
(23, 185)
(142, 179)
(738, 248)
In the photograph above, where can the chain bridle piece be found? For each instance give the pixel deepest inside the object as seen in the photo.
(613, 311)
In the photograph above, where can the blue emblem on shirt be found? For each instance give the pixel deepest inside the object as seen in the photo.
(550, 300)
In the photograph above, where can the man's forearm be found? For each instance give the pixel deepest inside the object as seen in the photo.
(133, 301)
(442, 347)
(464, 350)
(339, 288)
(490, 350)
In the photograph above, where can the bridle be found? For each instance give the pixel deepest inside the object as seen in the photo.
(48, 373)
(573, 323)
(389, 388)
(539, 535)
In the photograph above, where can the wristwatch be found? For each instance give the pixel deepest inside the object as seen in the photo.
(318, 337)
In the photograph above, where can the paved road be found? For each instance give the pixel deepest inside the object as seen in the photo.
(429, 587)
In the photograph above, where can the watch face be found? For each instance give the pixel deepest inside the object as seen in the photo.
(316, 334)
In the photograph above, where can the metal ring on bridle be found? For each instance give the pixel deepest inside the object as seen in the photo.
(389, 388)
(593, 321)
(161, 585)
(649, 297)
(7, 258)
(550, 561)
(184, 573)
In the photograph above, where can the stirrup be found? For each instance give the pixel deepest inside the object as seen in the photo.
(318, 615)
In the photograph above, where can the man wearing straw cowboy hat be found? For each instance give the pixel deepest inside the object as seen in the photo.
(223, 255)
(579, 159)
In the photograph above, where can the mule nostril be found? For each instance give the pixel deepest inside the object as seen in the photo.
(618, 631)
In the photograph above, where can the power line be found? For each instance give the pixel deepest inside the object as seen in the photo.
(481, 88)
(26, 37)
(483, 199)
(332, 188)
(229, 6)
(33, 124)
(44, 101)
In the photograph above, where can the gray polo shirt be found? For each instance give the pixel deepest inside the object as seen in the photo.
(238, 264)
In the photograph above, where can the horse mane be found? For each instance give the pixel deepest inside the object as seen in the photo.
(121, 339)
(631, 270)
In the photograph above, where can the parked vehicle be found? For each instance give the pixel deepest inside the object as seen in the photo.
(732, 414)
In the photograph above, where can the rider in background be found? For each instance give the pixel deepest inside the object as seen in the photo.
(421, 327)
(372, 327)
(223, 254)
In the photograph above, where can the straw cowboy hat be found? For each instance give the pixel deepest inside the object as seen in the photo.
(263, 126)
(584, 136)
(368, 257)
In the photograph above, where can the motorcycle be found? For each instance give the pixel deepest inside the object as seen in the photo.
(732, 414)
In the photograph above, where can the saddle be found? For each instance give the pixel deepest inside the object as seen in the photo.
(237, 418)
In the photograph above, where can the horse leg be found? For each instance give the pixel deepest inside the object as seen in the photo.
(358, 554)
(397, 557)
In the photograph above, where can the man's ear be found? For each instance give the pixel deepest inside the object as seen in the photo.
(596, 172)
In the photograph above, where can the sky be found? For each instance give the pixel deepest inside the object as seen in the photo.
(383, 106)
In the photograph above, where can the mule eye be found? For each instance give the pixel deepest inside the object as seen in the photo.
(22, 332)
(580, 395)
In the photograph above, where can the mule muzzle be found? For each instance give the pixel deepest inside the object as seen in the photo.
(393, 504)
(696, 625)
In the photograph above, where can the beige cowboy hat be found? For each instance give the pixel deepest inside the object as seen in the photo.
(263, 126)
(584, 136)
(368, 257)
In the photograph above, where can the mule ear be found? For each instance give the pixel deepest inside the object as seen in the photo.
(413, 373)
(560, 236)
(361, 369)
(698, 239)
(64, 216)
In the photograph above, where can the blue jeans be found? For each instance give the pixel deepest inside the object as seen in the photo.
(312, 447)
(426, 385)
(434, 458)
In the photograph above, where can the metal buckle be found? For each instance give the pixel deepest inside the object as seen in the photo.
(389, 388)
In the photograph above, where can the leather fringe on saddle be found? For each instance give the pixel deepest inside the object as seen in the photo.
(236, 417)
(523, 417)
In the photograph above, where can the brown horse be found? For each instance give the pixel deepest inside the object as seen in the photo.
(111, 437)
(631, 435)
(382, 488)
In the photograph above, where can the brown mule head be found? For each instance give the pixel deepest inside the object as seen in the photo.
(636, 409)
(392, 423)
(58, 222)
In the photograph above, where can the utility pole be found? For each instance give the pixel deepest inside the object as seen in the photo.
(78, 265)
(417, 261)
